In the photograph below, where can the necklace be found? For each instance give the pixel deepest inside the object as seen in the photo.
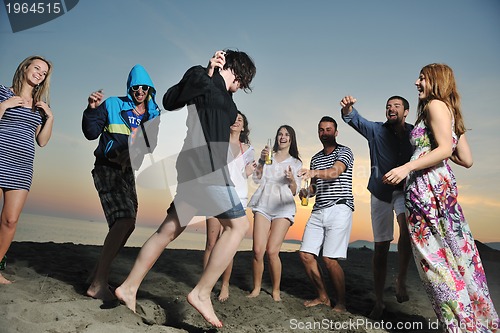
(27, 102)
(137, 112)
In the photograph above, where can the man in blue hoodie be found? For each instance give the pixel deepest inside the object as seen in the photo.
(116, 122)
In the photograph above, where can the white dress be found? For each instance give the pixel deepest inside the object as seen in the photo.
(273, 197)
(237, 172)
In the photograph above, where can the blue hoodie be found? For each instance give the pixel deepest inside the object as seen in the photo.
(109, 121)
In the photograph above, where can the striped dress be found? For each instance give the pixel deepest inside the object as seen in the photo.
(17, 145)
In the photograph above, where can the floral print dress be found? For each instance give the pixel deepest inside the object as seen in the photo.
(443, 247)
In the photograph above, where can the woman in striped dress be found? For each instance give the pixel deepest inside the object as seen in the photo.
(25, 116)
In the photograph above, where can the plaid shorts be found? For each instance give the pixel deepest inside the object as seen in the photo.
(116, 188)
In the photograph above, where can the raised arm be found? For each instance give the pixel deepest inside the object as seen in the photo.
(195, 82)
(257, 175)
(95, 116)
(217, 61)
(328, 174)
(346, 103)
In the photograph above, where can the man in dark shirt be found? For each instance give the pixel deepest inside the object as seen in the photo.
(389, 147)
(204, 186)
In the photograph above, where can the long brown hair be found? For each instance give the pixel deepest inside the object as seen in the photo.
(440, 84)
(41, 91)
(293, 150)
(246, 131)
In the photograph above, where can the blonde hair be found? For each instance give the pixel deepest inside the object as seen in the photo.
(440, 84)
(41, 91)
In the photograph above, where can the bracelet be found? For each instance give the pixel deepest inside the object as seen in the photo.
(261, 161)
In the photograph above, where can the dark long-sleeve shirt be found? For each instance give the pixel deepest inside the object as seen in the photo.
(387, 151)
(211, 112)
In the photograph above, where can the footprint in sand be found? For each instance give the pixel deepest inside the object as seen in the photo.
(151, 313)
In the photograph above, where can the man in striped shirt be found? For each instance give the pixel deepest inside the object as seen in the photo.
(329, 226)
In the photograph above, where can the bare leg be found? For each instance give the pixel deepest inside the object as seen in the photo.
(379, 275)
(214, 230)
(314, 274)
(13, 205)
(222, 254)
(279, 228)
(114, 242)
(91, 277)
(224, 290)
(261, 230)
(169, 230)
(404, 255)
(338, 279)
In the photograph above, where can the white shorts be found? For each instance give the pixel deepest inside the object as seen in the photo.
(383, 216)
(271, 217)
(330, 229)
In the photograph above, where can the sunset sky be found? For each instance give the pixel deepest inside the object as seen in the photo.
(309, 54)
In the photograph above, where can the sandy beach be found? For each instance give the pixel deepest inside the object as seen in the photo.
(49, 287)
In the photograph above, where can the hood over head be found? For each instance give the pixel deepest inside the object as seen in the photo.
(139, 76)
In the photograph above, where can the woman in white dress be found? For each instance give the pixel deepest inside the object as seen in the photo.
(273, 205)
(241, 164)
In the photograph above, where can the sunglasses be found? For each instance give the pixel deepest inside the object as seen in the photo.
(143, 87)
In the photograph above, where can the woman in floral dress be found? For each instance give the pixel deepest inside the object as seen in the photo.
(443, 246)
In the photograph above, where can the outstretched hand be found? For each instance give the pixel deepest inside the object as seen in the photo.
(346, 103)
(304, 174)
(95, 99)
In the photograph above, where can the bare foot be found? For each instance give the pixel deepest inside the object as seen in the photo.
(204, 306)
(127, 297)
(377, 311)
(224, 293)
(401, 293)
(317, 301)
(339, 308)
(254, 293)
(3, 280)
(276, 295)
(102, 293)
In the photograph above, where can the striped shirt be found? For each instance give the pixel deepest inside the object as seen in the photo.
(329, 191)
